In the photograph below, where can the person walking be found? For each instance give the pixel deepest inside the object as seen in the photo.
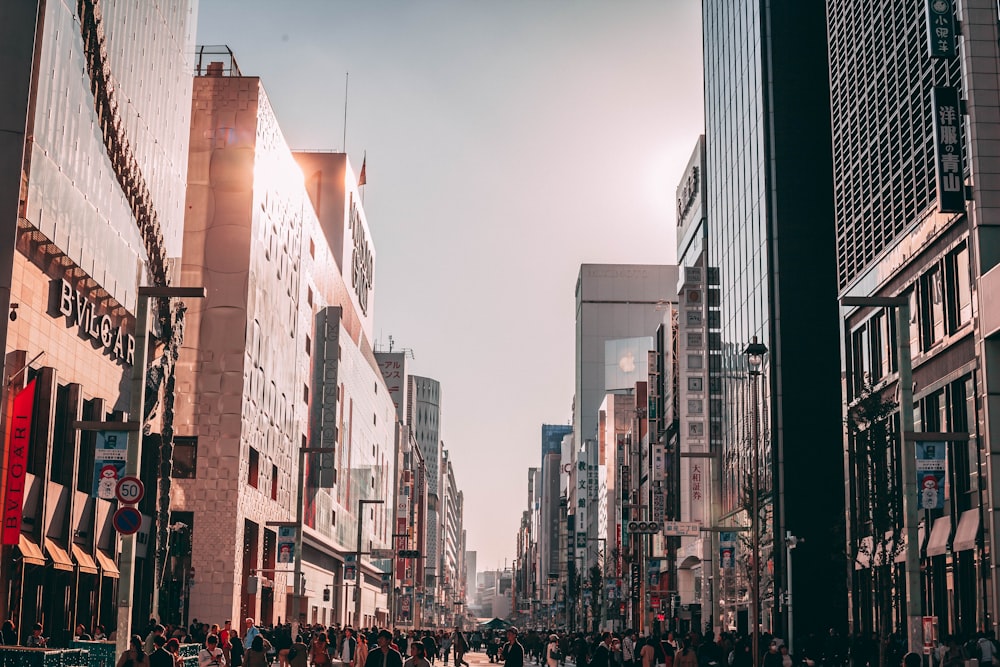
(236, 649)
(133, 656)
(602, 652)
(160, 657)
(686, 657)
(513, 652)
(552, 653)
(416, 658)
(361, 652)
(384, 655)
(319, 656)
(256, 655)
(461, 647)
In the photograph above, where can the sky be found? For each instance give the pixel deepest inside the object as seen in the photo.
(507, 142)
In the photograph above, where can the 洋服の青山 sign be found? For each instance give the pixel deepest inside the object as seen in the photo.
(17, 463)
(110, 334)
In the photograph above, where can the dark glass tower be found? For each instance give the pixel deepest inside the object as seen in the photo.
(771, 237)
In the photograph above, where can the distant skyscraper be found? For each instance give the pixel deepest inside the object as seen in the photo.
(548, 499)
(424, 419)
(613, 302)
(769, 200)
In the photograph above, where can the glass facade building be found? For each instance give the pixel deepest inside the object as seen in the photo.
(770, 238)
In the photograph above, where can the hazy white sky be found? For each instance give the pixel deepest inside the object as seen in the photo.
(508, 142)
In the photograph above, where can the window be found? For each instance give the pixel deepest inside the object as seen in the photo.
(185, 464)
(309, 296)
(959, 289)
(254, 472)
(305, 393)
(274, 482)
(312, 248)
(931, 308)
(308, 345)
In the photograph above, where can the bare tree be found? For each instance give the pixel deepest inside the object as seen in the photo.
(878, 502)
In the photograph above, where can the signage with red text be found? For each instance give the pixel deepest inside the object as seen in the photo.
(17, 463)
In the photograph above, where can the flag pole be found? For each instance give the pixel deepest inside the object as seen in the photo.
(347, 79)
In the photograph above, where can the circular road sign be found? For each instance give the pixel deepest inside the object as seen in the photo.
(129, 490)
(127, 520)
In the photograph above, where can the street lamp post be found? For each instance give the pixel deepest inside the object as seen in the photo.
(908, 462)
(357, 560)
(755, 352)
(791, 541)
(133, 452)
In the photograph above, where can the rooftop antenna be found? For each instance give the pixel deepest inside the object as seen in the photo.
(390, 342)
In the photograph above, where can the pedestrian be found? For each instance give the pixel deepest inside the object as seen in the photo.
(430, 646)
(256, 655)
(298, 654)
(173, 647)
(320, 653)
(251, 633)
(361, 657)
(384, 655)
(686, 657)
(416, 658)
(461, 646)
(160, 657)
(133, 656)
(513, 652)
(236, 649)
(99, 634)
(628, 649)
(602, 652)
(348, 646)
(552, 653)
(211, 654)
(156, 631)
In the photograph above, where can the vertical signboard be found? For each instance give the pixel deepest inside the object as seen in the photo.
(393, 367)
(17, 463)
(286, 544)
(727, 550)
(948, 150)
(350, 567)
(325, 390)
(941, 28)
(930, 474)
(109, 462)
(405, 609)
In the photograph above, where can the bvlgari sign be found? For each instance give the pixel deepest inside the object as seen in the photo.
(100, 328)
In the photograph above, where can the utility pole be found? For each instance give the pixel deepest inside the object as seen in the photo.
(133, 452)
(357, 563)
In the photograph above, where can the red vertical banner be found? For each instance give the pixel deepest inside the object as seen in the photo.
(17, 463)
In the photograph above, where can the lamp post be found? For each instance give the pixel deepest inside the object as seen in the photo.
(133, 452)
(357, 560)
(791, 541)
(755, 352)
(908, 462)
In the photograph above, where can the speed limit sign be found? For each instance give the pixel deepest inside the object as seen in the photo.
(129, 490)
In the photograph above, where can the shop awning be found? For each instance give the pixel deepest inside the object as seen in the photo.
(901, 553)
(107, 563)
(83, 560)
(866, 547)
(60, 559)
(31, 553)
(967, 531)
(940, 532)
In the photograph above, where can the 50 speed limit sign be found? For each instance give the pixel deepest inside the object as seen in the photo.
(129, 490)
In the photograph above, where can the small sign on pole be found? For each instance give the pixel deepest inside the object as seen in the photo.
(129, 490)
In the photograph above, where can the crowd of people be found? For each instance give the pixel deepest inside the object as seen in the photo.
(319, 646)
